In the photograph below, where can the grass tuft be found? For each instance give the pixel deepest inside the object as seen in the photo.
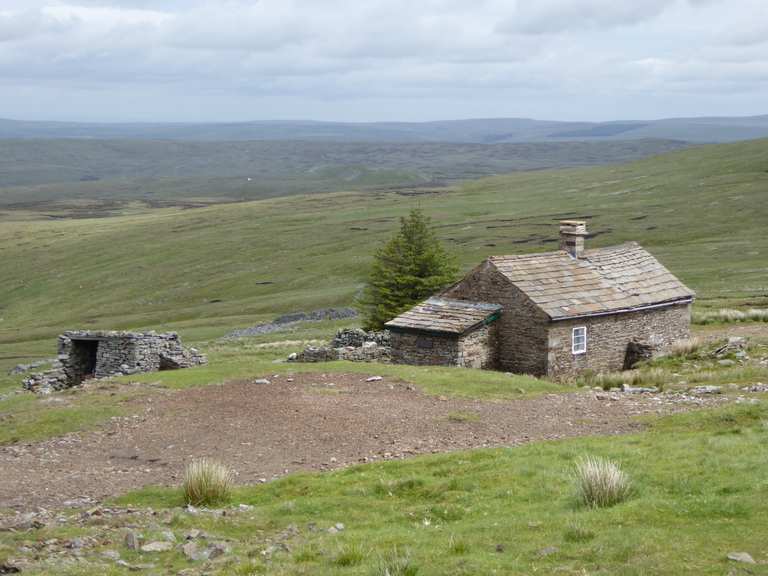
(352, 555)
(730, 316)
(207, 483)
(575, 532)
(600, 483)
(396, 564)
(685, 348)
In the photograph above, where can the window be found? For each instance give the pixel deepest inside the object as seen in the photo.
(579, 340)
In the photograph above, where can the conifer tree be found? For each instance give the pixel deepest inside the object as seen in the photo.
(409, 268)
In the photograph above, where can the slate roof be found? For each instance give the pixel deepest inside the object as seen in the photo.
(604, 280)
(444, 315)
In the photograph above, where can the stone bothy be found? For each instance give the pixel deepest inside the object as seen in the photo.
(563, 312)
(98, 354)
(444, 331)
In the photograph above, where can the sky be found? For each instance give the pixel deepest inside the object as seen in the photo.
(381, 60)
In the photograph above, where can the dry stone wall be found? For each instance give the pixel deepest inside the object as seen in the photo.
(99, 354)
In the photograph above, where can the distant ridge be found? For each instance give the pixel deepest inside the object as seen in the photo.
(482, 130)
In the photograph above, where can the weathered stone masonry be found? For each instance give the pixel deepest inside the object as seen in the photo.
(99, 354)
(609, 338)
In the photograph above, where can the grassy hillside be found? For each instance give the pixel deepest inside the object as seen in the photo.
(702, 211)
(713, 129)
(96, 177)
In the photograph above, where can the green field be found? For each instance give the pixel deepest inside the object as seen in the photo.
(205, 271)
(700, 487)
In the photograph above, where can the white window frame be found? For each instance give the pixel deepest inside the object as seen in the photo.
(582, 349)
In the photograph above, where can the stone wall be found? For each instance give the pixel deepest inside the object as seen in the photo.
(609, 337)
(101, 354)
(422, 349)
(353, 344)
(477, 349)
(521, 331)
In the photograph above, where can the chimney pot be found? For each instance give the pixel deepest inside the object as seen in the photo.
(572, 233)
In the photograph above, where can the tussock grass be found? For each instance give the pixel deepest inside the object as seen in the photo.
(730, 315)
(576, 532)
(396, 563)
(657, 377)
(600, 483)
(684, 348)
(352, 555)
(207, 483)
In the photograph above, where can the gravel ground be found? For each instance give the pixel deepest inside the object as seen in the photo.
(299, 422)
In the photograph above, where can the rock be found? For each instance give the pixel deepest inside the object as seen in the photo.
(639, 389)
(741, 557)
(8, 568)
(111, 555)
(292, 357)
(169, 536)
(726, 362)
(193, 553)
(132, 541)
(157, 547)
(244, 507)
(217, 549)
(261, 381)
(706, 390)
(759, 387)
(135, 567)
(339, 526)
(194, 534)
(548, 551)
(374, 379)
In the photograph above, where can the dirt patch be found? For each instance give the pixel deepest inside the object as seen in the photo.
(297, 422)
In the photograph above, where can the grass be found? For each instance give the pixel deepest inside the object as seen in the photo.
(600, 483)
(700, 489)
(729, 315)
(207, 483)
(203, 271)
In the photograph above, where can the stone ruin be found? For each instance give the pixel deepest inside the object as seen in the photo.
(101, 354)
(352, 344)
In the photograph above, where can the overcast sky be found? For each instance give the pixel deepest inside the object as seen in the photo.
(361, 60)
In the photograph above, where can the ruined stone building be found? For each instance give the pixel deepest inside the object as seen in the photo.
(85, 354)
(553, 313)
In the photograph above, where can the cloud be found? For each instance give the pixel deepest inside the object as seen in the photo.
(552, 16)
(236, 59)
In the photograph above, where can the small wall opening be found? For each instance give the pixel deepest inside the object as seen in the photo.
(82, 359)
(167, 363)
(637, 352)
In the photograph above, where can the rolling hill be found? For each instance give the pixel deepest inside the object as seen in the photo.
(52, 174)
(701, 211)
(486, 130)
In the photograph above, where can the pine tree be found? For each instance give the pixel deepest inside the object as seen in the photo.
(409, 268)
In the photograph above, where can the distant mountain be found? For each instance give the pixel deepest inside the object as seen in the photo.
(490, 130)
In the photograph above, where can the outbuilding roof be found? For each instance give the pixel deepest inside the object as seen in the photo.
(603, 280)
(445, 316)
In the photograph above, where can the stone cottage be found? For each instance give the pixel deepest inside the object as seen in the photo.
(561, 312)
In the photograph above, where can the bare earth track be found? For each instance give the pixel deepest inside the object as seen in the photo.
(299, 422)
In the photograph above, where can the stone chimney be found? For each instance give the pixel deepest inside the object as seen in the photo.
(572, 233)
